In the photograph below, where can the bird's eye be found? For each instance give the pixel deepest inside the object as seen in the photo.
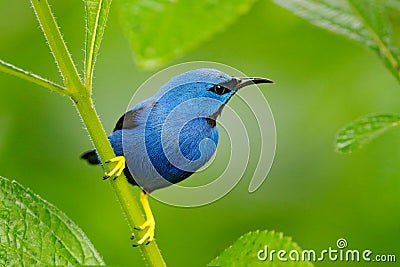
(219, 90)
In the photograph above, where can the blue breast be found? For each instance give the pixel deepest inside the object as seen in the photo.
(177, 153)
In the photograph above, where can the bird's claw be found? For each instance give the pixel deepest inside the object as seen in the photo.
(117, 170)
(149, 235)
(149, 223)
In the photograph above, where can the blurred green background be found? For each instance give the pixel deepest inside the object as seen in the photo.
(313, 194)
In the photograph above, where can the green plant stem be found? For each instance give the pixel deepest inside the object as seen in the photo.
(57, 45)
(89, 62)
(31, 77)
(121, 187)
(82, 99)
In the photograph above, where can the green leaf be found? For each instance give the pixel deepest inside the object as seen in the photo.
(161, 30)
(34, 232)
(96, 17)
(363, 21)
(394, 4)
(247, 250)
(373, 15)
(362, 131)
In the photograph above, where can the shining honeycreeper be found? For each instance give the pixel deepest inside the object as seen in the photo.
(167, 137)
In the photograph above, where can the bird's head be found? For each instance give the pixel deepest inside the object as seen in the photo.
(202, 92)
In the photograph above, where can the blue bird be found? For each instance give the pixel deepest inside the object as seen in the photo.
(167, 137)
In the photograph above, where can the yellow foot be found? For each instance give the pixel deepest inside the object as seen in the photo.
(118, 169)
(149, 235)
(149, 223)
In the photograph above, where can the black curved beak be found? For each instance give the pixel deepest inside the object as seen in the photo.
(242, 82)
(236, 83)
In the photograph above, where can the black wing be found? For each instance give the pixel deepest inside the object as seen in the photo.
(128, 120)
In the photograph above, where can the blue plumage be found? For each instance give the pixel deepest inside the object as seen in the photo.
(170, 135)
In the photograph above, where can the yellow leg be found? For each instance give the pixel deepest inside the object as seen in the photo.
(149, 223)
(118, 169)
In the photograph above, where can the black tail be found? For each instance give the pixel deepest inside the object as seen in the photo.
(91, 157)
